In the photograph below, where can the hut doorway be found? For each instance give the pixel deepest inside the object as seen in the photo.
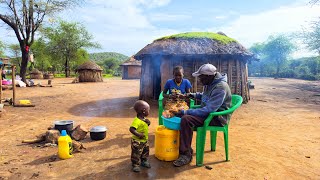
(156, 79)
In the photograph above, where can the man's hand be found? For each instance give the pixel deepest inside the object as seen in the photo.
(141, 136)
(189, 95)
(147, 121)
(178, 113)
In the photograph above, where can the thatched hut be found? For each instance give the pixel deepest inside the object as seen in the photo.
(36, 74)
(191, 50)
(131, 69)
(89, 72)
(48, 76)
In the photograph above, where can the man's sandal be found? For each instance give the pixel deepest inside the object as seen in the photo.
(182, 160)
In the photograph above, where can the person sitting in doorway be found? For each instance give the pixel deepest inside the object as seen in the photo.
(178, 86)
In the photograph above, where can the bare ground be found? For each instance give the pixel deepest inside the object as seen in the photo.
(275, 136)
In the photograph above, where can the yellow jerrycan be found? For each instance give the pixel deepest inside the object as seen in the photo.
(65, 146)
(166, 144)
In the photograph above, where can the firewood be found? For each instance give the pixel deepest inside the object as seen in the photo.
(52, 136)
(24, 105)
(38, 139)
(79, 133)
(50, 127)
(77, 146)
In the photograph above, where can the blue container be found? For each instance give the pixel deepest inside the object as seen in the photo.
(172, 123)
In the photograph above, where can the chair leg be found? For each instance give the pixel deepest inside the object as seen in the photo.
(213, 135)
(200, 142)
(226, 143)
(160, 120)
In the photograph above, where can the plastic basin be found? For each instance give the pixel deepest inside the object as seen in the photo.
(5, 82)
(172, 123)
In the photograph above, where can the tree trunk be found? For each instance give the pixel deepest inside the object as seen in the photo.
(24, 62)
(66, 67)
(278, 69)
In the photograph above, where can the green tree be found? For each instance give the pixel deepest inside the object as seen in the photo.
(278, 49)
(16, 59)
(42, 58)
(257, 68)
(66, 39)
(2, 47)
(81, 56)
(110, 65)
(313, 2)
(312, 38)
(25, 17)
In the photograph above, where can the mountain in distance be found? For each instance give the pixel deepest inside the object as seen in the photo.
(100, 57)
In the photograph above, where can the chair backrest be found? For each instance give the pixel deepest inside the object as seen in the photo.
(236, 101)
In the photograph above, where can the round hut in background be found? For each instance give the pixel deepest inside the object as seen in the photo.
(131, 69)
(36, 74)
(191, 50)
(90, 72)
(48, 76)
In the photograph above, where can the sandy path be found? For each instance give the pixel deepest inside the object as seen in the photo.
(275, 136)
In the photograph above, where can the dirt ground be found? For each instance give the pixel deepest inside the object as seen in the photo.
(275, 136)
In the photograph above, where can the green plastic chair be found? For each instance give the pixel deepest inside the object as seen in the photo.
(201, 131)
(160, 103)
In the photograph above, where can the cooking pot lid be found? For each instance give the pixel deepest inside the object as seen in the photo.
(98, 129)
(63, 122)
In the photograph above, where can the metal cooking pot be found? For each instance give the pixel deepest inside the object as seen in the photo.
(64, 125)
(98, 133)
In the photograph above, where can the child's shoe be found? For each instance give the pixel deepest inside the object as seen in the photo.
(145, 164)
(136, 169)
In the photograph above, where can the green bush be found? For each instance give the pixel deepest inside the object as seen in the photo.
(107, 75)
(308, 77)
(63, 75)
(288, 74)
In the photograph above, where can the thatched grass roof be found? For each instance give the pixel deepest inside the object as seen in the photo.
(35, 71)
(193, 44)
(131, 62)
(89, 65)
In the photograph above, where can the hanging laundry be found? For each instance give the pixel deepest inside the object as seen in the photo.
(31, 58)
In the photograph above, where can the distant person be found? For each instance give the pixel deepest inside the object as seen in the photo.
(178, 85)
(3, 74)
(139, 141)
(216, 97)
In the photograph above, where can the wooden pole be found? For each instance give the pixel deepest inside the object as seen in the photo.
(0, 84)
(14, 84)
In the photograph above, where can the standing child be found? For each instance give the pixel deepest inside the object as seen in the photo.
(139, 141)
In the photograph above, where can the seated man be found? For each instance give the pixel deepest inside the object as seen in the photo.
(216, 97)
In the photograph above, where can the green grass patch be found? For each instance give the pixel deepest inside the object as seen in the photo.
(63, 75)
(107, 75)
(210, 35)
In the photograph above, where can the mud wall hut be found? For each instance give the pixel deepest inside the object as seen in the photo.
(131, 69)
(89, 72)
(191, 50)
(36, 74)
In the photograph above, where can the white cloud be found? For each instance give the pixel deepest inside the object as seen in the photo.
(154, 3)
(121, 26)
(168, 17)
(220, 17)
(248, 29)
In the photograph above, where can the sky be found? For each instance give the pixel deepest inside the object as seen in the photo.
(126, 26)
